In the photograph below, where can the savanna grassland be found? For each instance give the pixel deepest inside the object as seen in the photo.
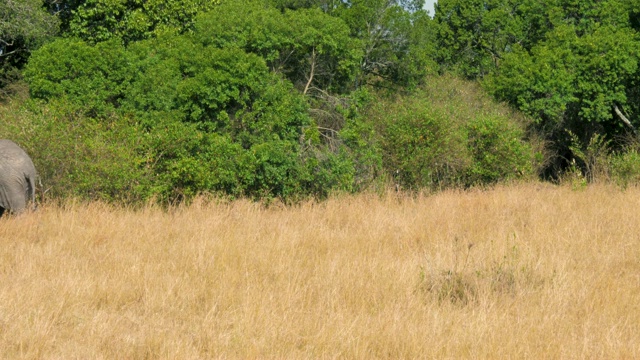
(524, 271)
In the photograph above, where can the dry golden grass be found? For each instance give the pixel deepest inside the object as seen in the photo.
(527, 271)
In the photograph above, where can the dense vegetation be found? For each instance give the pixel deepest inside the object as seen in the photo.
(133, 100)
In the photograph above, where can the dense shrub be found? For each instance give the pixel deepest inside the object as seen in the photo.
(625, 168)
(422, 146)
(361, 148)
(24, 26)
(449, 133)
(498, 150)
(94, 77)
(77, 156)
(99, 20)
(307, 46)
(204, 119)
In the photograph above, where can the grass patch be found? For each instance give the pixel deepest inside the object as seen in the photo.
(552, 273)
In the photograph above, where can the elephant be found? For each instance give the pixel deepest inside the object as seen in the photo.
(17, 178)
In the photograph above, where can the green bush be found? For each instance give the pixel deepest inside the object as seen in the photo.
(76, 156)
(362, 150)
(204, 119)
(421, 146)
(92, 76)
(449, 133)
(498, 150)
(100, 20)
(297, 44)
(625, 168)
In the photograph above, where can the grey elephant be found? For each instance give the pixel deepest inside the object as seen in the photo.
(17, 178)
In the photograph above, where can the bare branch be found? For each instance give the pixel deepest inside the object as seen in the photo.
(8, 53)
(311, 72)
(624, 118)
(328, 129)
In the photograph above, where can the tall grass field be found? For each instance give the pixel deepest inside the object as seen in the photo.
(522, 271)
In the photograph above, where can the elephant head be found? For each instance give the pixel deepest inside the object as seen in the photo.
(17, 178)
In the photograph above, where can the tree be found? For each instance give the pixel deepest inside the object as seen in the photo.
(128, 20)
(472, 36)
(307, 46)
(440, 137)
(24, 25)
(395, 37)
(580, 78)
(210, 119)
(582, 69)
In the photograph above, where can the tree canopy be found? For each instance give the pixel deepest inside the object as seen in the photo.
(296, 98)
(570, 65)
(24, 25)
(130, 20)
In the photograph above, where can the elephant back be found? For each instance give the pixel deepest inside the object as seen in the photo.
(17, 177)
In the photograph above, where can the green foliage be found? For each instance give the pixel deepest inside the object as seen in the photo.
(76, 156)
(566, 63)
(570, 78)
(93, 76)
(594, 161)
(246, 99)
(591, 156)
(24, 26)
(419, 60)
(578, 69)
(220, 90)
(362, 150)
(130, 20)
(187, 162)
(208, 119)
(625, 168)
(250, 116)
(307, 46)
(422, 147)
(473, 35)
(25, 21)
(449, 134)
(498, 150)
(396, 38)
